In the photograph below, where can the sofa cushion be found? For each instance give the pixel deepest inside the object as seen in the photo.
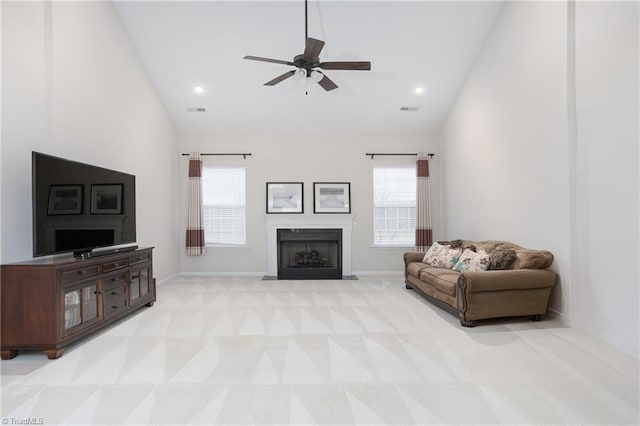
(414, 268)
(471, 261)
(454, 244)
(444, 280)
(532, 259)
(500, 260)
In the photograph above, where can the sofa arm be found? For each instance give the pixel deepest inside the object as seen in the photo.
(512, 279)
(412, 256)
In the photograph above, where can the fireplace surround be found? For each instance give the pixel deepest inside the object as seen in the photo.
(343, 222)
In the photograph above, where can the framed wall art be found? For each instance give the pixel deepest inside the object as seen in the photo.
(285, 197)
(332, 197)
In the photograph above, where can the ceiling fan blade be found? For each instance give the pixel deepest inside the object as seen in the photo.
(313, 48)
(278, 79)
(275, 61)
(355, 66)
(327, 84)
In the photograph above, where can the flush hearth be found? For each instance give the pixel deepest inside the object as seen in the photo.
(309, 253)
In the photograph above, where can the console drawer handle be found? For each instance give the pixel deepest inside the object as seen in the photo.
(83, 272)
(115, 293)
(114, 307)
(116, 279)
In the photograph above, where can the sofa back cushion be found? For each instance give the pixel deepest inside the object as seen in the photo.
(532, 259)
(525, 258)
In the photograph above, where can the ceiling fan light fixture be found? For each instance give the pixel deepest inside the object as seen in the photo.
(316, 76)
(301, 73)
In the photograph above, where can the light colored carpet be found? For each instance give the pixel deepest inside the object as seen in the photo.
(242, 350)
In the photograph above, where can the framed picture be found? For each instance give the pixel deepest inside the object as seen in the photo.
(285, 197)
(332, 197)
(106, 199)
(65, 199)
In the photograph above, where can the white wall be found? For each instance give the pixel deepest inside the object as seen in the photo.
(74, 87)
(606, 294)
(308, 158)
(530, 151)
(504, 142)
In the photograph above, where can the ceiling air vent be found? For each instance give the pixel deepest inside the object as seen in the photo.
(196, 109)
(408, 108)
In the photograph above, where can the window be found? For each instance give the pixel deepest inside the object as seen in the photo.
(394, 205)
(224, 205)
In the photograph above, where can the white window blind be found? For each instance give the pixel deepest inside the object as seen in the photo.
(394, 205)
(224, 202)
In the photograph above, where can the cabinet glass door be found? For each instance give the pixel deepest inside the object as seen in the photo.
(134, 287)
(139, 284)
(144, 282)
(80, 305)
(72, 310)
(89, 303)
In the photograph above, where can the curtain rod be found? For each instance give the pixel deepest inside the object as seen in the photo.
(244, 154)
(373, 154)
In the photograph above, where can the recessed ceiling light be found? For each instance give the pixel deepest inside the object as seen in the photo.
(198, 89)
(419, 90)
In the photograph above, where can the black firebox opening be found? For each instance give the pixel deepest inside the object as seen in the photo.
(309, 253)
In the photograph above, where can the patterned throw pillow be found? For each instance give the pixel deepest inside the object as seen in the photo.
(449, 258)
(500, 260)
(471, 261)
(432, 256)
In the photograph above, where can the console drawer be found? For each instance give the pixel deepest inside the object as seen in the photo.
(115, 299)
(75, 275)
(114, 265)
(114, 281)
(140, 258)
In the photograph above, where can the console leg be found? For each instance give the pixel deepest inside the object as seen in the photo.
(8, 353)
(148, 305)
(535, 317)
(467, 323)
(408, 287)
(54, 353)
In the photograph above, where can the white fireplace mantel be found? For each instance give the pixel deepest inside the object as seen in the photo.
(317, 221)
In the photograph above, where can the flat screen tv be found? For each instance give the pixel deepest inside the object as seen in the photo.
(78, 207)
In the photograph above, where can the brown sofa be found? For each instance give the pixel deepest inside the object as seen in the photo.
(521, 290)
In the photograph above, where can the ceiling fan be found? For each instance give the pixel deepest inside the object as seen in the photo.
(308, 61)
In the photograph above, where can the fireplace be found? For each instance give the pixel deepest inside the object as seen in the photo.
(309, 253)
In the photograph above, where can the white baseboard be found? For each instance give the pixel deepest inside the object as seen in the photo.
(222, 274)
(170, 277)
(376, 273)
(262, 274)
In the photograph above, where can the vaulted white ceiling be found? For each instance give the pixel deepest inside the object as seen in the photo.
(429, 44)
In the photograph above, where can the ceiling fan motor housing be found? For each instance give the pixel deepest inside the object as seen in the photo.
(305, 63)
